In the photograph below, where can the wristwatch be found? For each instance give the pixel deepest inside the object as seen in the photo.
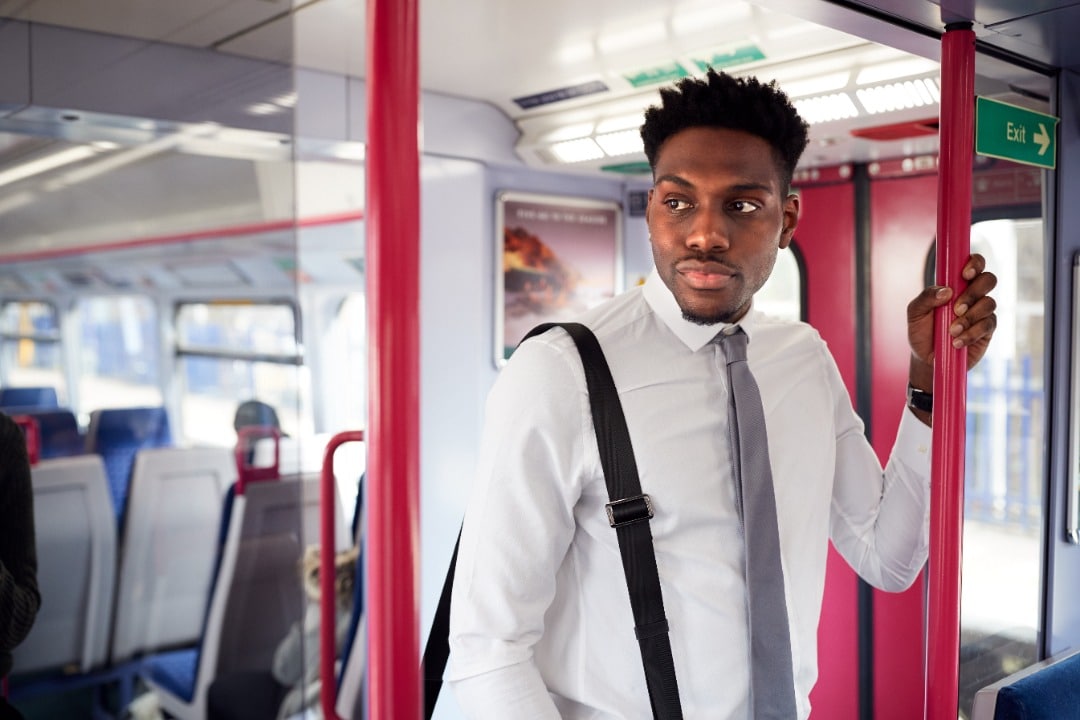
(919, 399)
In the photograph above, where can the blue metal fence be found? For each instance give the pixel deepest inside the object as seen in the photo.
(1003, 483)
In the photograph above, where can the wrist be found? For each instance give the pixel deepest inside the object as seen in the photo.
(921, 375)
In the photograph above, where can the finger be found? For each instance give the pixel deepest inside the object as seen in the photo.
(975, 265)
(983, 308)
(977, 289)
(979, 330)
(930, 298)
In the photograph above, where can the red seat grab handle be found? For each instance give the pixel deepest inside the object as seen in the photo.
(327, 616)
(32, 433)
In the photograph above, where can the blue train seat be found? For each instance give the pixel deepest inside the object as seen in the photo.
(174, 509)
(76, 550)
(116, 434)
(58, 431)
(40, 397)
(255, 595)
(1049, 690)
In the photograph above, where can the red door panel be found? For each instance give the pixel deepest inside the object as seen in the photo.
(826, 239)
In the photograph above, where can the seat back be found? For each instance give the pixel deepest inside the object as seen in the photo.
(25, 397)
(1048, 690)
(58, 431)
(278, 520)
(76, 550)
(116, 434)
(256, 595)
(169, 543)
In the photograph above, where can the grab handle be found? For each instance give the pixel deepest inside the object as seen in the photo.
(327, 616)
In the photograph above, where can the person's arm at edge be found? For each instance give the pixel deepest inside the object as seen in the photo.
(19, 595)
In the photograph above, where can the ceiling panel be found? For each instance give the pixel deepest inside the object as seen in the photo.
(330, 36)
(14, 46)
(990, 12)
(131, 18)
(271, 41)
(1051, 36)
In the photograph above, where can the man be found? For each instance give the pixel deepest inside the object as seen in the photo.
(541, 625)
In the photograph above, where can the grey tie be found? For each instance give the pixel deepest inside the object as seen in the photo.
(772, 686)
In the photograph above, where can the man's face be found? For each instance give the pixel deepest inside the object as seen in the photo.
(717, 214)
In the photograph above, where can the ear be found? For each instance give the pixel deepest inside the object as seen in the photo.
(648, 205)
(791, 219)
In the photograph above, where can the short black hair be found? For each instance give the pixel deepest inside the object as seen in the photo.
(720, 100)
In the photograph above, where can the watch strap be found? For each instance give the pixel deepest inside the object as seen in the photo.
(919, 399)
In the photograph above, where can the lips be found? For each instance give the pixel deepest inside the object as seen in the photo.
(705, 275)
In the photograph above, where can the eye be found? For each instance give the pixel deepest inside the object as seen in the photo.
(676, 204)
(744, 207)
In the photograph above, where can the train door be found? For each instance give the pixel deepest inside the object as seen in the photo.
(1000, 612)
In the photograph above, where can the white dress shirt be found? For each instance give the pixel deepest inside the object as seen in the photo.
(541, 625)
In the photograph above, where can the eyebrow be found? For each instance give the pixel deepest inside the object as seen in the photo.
(739, 187)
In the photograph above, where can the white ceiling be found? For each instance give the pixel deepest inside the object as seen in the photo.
(498, 50)
(487, 50)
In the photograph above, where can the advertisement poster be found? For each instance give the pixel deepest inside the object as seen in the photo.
(558, 256)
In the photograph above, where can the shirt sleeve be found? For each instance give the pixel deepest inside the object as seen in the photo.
(880, 520)
(518, 525)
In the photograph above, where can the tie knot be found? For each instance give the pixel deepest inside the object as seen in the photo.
(732, 340)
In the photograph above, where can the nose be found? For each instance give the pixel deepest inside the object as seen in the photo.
(710, 231)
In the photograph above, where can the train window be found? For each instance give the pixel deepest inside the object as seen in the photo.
(782, 294)
(343, 356)
(1004, 482)
(30, 345)
(229, 352)
(118, 358)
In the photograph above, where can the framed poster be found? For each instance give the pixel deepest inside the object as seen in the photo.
(557, 256)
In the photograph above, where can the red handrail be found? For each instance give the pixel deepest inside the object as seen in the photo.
(392, 545)
(327, 614)
(245, 471)
(950, 368)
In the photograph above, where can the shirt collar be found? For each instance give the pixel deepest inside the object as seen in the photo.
(694, 336)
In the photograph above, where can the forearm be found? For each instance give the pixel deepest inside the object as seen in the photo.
(516, 691)
(880, 519)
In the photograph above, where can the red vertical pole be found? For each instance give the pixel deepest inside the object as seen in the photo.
(393, 292)
(950, 370)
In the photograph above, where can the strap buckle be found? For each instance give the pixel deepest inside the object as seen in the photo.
(629, 510)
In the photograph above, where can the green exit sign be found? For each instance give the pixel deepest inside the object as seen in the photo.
(1015, 133)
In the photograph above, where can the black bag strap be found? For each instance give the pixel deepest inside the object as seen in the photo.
(437, 650)
(627, 509)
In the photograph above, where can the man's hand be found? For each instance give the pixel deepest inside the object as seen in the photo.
(972, 325)
(973, 322)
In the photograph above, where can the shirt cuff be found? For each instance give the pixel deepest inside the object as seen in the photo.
(913, 442)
